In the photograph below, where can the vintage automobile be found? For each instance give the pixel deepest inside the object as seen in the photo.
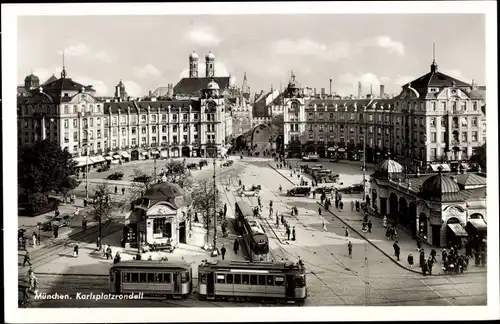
(60, 221)
(354, 189)
(325, 189)
(299, 191)
(142, 178)
(103, 168)
(116, 176)
(247, 193)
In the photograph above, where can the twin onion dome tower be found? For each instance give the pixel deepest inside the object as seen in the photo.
(209, 65)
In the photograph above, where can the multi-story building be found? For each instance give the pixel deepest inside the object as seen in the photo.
(435, 119)
(64, 112)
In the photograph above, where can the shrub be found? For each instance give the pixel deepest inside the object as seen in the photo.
(37, 202)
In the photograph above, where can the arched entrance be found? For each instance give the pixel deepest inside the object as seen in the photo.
(240, 143)
(393, 205)
(175, 152)
(422, 226)
(186, 151)
(211, 151)
(412, 215)
(262, 138)
(404, 217)
(374, 199)
(134, 155)
(279, 143)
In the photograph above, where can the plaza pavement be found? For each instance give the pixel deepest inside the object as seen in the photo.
(377, 238)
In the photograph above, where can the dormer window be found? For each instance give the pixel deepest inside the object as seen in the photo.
(66, 94)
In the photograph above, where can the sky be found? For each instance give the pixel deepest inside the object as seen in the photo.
(150, 51)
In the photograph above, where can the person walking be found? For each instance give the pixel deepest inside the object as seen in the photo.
(433, 255)
(370, 226)
(277, 221)
(34, 239)
(280, 188)
(422, 257)
(282, 219)
(118, 258)
(352, 205)
(430, 263)
(341, 205)
(105, 251)
(288, 233)
(384, 221)
(116, 190)
(109, 253)
(410, 260)
(123, 191)
(223, 251)
(225, 210)
(324, 227)
(27, 258)
(319, 212)
(349, 249)
(293, 233)
(346, 232)
(236, 246)
(397, 249)
(75, 251)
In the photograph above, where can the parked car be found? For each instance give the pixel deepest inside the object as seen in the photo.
(60, 221)
(299, 191)
(116, 176)
(326, 189)
(103, 168)
(354, 189)
(142, 178)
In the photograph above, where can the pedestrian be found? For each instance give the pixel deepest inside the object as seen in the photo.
(357, 205)
(324, 227)
(98, 243)
(277, 221)
(422, 257)
(430, 263)
(385, 221)
(341, 205)
(34, 239)
(319, 212)
(105, 251)
(388, 233)
(84, 202)
(444, 254)
(346, 232)
(223, 251)
(433, 255)
(116, 190)
(349, 249)
(56, 231)
(236, 246)
(424, 267)
(75, 251)
(336, 203)
(293, 234)
(27, 258)
(109, 253)
(225, 210)
(123, 190)
(280, 188)
(288, 233)
(397, 249)
(352, 205)
(150, 258)
(370, 226)
(118, 258)
(282, 219)
(483, 258)
(410, 260)
(419, 245)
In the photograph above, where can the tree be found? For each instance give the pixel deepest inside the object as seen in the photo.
(176, 172)
(479, 156)
(206, 200)
(44, 167)
(101, 208)
(139, 188)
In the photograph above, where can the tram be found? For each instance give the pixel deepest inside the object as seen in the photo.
(153, 278)
(254, 237)
(282, 281)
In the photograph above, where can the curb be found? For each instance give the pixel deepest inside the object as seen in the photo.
(276, 235)
(385, 253)
(281, 174)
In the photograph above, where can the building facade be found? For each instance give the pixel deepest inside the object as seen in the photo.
(435, 119)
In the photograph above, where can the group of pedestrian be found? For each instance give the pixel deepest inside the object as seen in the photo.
(367, 226)
(391, 231)
(453, 262)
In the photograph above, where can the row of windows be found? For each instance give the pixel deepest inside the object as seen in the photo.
(74, 109)
(133, 140)
(156, 277)
(246, 279)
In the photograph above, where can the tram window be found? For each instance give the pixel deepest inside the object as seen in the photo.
(112, 276)
(135, 277)
(221, 278)
(262, 280)
(151, 277)
(142, 277)
(203, 278)
(299, 282)
(244, 279)
(166, 278)
(279, 280)
(237, 279)
(158, 277)
(126, 277)
(229, 278)
(253, 279)
(270, 280)
(184, 277)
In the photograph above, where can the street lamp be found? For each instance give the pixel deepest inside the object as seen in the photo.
(215, 252)
(86, 171)
(364, 162)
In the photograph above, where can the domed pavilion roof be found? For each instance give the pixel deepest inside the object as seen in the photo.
(386, 168)
(31, 77)
(169, 192)
(441, 188)
(193, 56)
(209, 56)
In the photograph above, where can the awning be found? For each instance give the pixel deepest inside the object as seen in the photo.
(478, 224)
(164, 153)
(125, 154)
(98, 159)
(446, 167)
(155, 152)
(331, 149)
(82, 161)
(341, 149)
(116, 156)
(109, 158)
(457, 229)
(144, 153)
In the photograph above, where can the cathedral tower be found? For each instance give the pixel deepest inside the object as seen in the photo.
(193, 65)
(209, 65)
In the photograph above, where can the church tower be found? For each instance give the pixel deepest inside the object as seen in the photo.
(120, 92)
(209, 65)
(245, 88)
(193, 65)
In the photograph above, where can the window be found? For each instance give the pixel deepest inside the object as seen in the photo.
(75, 109)
(244, 279)
(75, 136)
(66, 137)
(66, 123)
(474, 105)
(253, 279)
(154, 118)
(474, 121)
(464, 121)
(143, 130)
(464, 136)
(185, 128)
(164, 129)
(174, 128)
(134, 141)
(133, 130)
(142, 277)
(98, 133)
(270, 280)
(474, 136)
(203, 278)
(433, 106)
(195, 116)
(174, 117)
(433, 137)
(421, 121)
(311, 136)
(66, 109)
(151, 277)
(124, 131)
(331, 116)
(134, 277)
(443, 137)
(106, 133)
(153, 129)
(463, 106)
(184, 117)
(433, 122)
(443, 106)
(454, 107)
(262, 280)
(443, 122)
(105, 120)
(229, 278)
(279, 280)
(115, 121)
(220, 278)
(98, 121)
(126, 277)
(166, 278)
(143, 119)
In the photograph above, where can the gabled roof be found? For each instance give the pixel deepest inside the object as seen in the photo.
(436, 79)
(61, 85)
(193, 86)
(160, 92)
(470, 179)
(51, 79)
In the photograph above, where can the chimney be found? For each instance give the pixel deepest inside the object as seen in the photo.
(315, 93)
(150, 93)
(359, 90)
(382, 92)
(323, 92)
(371, 90)
(473, 85)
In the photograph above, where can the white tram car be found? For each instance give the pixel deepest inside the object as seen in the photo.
(260, 280)
(153, 278)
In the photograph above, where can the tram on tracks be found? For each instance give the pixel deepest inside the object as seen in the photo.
(153, 278)
(254, 237)
(279, 281)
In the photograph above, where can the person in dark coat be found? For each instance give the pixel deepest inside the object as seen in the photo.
(118, 258)
(444, 255)
(116, 190)
(410, 260)
(288, 233)
(397, 249)
(223, 251)
(319, 211)
(422, 258)
(341, 205)
(84, 202)
(370, 226)
(282, 219)
(56, 231)
(349, 249)
(75, 251)
(236, 246)
(433, 255)
(424, 267)
(27, 258)
(123, 190)
(293, 234)
(430, 264)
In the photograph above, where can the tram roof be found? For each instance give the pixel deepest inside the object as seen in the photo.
(151, 264)
(250, 265)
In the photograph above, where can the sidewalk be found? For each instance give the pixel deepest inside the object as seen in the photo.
(407, 244)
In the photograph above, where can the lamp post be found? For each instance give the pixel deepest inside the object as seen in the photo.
(364, 163)
(86, 171)
(215, 252)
